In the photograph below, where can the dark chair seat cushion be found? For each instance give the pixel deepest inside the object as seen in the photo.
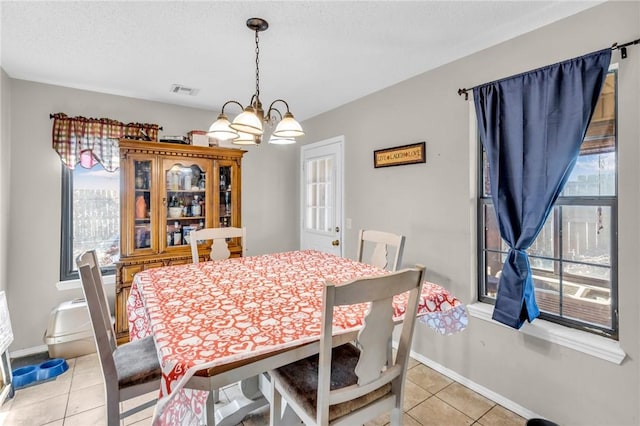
(137, 362)
(300, 379)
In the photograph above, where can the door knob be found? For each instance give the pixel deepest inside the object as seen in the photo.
(335, 242)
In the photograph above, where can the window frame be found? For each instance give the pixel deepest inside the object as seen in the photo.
(610, 201)
(68, 270)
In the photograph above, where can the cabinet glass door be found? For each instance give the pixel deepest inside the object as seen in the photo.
(227, 203)
(185, 188)
(225, 198)
(142, 212)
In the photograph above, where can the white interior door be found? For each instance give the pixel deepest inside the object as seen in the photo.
(321, 198)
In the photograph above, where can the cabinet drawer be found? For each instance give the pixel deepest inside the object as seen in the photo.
(129, 271)
(153, 265)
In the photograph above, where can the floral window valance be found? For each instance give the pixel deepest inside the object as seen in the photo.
(89, 141)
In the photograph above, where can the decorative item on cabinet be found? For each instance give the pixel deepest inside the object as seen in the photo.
(177, 234)
(141, 207)
(140, 180)
(198, 138)
(195, 207)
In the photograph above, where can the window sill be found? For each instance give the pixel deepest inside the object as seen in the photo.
(597, 346)
(75, 284)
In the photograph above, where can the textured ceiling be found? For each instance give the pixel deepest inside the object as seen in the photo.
(316, 55)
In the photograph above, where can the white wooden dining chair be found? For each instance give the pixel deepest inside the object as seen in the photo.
(219, 247)
(219, 251)
(354, 382)
(130, 370)
(379, 242)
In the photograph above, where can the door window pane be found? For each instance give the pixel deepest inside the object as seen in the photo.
(319, 194)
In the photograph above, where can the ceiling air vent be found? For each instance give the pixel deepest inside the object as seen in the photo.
(183, 90)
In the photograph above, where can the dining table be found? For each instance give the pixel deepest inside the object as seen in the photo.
(220, 322)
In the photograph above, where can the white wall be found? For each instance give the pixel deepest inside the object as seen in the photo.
(5, 168)
(433, 204)
(33, 202)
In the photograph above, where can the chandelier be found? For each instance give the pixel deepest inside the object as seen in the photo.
(248, 127)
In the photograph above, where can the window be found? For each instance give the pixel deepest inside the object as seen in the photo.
(90, 218)
(319, 194)
(573, 259)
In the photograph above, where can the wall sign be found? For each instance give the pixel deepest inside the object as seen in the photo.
(399, 155)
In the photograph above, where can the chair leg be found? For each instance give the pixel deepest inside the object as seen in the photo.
(210, 409)
(113, 410)
(276, 405)
(396, 417)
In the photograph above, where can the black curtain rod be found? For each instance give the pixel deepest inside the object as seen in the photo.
(623, 47)
(52, 116)
(623, 55)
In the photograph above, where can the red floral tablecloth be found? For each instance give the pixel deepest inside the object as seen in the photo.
(214, 313)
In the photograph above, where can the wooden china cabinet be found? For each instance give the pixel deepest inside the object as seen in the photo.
(167, 191)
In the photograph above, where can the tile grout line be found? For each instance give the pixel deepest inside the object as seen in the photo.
(464, 414)
(475, 420)
(66, 407)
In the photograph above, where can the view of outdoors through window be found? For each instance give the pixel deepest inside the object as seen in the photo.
(96, 213)
(572, 259)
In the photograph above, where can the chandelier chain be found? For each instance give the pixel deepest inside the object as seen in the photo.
(257, 67)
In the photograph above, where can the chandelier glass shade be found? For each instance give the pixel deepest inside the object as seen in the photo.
(221, 130)
(248, 127)
(281, 141)
(245, 139)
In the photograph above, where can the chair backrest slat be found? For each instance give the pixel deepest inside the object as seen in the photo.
(381, 241)
(99, 311)
(219, 248)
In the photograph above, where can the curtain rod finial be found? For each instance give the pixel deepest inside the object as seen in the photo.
(464, 92)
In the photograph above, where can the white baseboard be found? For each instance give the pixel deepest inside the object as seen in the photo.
(29, 351)
(487, 393)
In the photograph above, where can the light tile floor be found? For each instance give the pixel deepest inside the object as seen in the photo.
(76, 398)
